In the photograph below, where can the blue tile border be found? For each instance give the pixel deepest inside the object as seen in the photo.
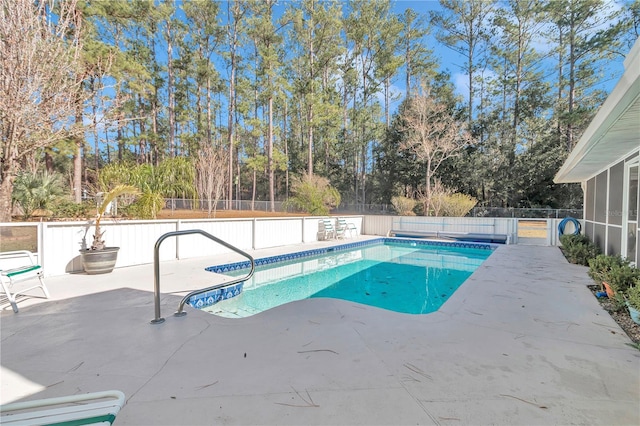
(453, 244)
(212, 297)
(230, 267)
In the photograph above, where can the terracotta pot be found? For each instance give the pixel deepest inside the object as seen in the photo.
(610, 293)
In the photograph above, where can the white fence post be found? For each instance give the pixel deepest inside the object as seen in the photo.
(178, 227)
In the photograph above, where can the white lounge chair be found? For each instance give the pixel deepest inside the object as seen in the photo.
(326, 230)
(16, 266)
(97, 408)
(343, 227)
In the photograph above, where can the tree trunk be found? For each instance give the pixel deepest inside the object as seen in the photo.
(232, 109)
(270, 156)
(572, 88)
(387, 119)
(253, 190)
(560, 79)
(286, 148)
(209, 140)
(48, 159)
(77, 159)
(8, 172)
(427, 191)
(310, 139)
(170, 91)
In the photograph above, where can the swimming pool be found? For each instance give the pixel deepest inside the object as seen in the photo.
(402, 275)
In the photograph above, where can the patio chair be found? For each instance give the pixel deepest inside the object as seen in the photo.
(87, 409)
(345, 227)
(17, 266)
(341, 229)
(326, 229)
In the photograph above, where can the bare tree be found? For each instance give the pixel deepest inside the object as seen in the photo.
(39, 58)
(433, 134)
(211, 175)
(434, 203)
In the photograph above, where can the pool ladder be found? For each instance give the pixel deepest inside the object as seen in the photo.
(156, 272)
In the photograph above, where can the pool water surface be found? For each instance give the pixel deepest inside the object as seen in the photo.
(398, 276)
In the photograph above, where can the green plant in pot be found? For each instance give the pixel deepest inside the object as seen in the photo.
(100, 259)
(632, 298)
(600, 270)
(622, 277)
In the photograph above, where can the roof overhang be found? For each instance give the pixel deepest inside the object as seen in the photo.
(615, 130)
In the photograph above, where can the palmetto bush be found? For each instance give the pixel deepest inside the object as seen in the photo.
(36, 191)
(173, 177)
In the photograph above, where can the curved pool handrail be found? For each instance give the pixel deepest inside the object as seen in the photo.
(156, 271)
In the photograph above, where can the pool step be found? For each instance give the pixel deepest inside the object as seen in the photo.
(212, 297)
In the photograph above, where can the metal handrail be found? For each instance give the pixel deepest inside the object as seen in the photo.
(156, 271)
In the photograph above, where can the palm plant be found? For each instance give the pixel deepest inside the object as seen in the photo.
(108, 197)
(33, 191)
(172, 178)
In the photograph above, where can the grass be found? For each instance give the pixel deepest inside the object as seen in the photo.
(18, 238)
(532, 228)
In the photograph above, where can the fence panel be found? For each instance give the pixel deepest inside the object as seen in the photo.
(237, 232)
(276, 232)
(136, 239)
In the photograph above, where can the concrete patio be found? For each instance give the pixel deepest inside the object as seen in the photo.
(523, 341)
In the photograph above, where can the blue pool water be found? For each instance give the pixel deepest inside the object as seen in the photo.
(403, 277)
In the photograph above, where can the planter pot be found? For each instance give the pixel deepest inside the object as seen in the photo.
(99, 261)
(610, 293)
(634, 313)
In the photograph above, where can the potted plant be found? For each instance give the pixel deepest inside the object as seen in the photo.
(100, 259)
(600, 270)
(623, 276)
(632, 298)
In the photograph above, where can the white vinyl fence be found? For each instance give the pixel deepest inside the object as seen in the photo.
(531, 231)
(58, 243)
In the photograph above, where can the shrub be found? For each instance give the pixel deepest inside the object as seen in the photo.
(578, 249)
(622, 277)
(66, 208)
(443, 201)
(313, 194)
(633, 295)
(433, 202)
(615, 271)
(458, 204)
(404, 205)
(601, 265)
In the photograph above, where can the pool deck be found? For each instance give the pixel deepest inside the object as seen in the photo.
(523, 341)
